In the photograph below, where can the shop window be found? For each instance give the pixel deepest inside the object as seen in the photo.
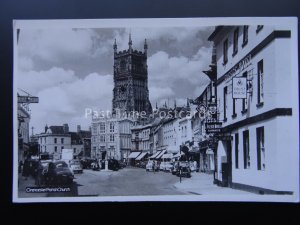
(244, 100)
(225, 103)
(260, 140)
(260, 83)
(236, 141)
(233, 108)
(246, 149)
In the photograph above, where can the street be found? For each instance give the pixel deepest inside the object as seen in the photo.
(126, 182)
(129, 181)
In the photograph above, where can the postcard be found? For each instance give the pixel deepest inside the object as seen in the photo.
(173, 109)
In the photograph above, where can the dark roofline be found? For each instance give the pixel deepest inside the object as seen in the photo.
(214, 34)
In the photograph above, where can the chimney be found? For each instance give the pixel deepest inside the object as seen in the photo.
(78, 128)
(66, 128)
(46, 128)
(90, 128)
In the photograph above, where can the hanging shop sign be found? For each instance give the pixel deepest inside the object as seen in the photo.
(213, 127)
(28, 99)
(239, 87)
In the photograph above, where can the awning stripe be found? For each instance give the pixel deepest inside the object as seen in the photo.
(142, 155)
(133, 155)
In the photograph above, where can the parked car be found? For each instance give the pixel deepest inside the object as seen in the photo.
(152, 166)
(183, 171)
(59, 173)
(122, 164)
(141, 164)
(75, 166)
(113, 164)
(87, 163)
(166, 166)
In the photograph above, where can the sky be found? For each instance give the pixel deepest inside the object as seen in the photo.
(71, 70)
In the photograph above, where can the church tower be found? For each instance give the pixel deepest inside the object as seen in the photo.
(130, 91)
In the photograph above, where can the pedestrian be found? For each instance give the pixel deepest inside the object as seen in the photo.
(20, 168)
(26, 168)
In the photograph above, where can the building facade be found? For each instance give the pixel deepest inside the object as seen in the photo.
(23, 131)
(141, 138)
(130, 93)
(57, 138)
(111, 138)
(257, 109)
(54, 140)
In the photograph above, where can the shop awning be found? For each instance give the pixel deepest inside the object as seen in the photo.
(177, 155)
(133, 155)
(167, 156)
(156, 154)
(142, 155)
(160, 155)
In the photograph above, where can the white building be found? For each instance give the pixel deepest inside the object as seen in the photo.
(141, 138)
(259, 151)
(57, 138)
(54, 139)
(111, 138)
(170, 132)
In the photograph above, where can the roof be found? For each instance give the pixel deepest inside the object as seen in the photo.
(215, 32)
(85, 134)
(57, 130)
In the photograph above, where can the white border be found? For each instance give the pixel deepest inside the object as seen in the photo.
(289, 22)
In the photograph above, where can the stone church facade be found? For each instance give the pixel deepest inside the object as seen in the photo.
(130, 93)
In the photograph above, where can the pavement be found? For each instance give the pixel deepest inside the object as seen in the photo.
(202, 184)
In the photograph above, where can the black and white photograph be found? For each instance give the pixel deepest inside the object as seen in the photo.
(173, 109)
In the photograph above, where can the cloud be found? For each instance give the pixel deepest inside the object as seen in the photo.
(36, 81)
(63, 98)
(53, 44)
(177, 76)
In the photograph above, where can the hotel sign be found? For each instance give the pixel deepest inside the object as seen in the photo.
(213, 127)
(239, 87)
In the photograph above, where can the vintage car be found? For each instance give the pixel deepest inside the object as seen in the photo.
(166, 166)
(75, 166)
(59, 173)
(152, 166)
